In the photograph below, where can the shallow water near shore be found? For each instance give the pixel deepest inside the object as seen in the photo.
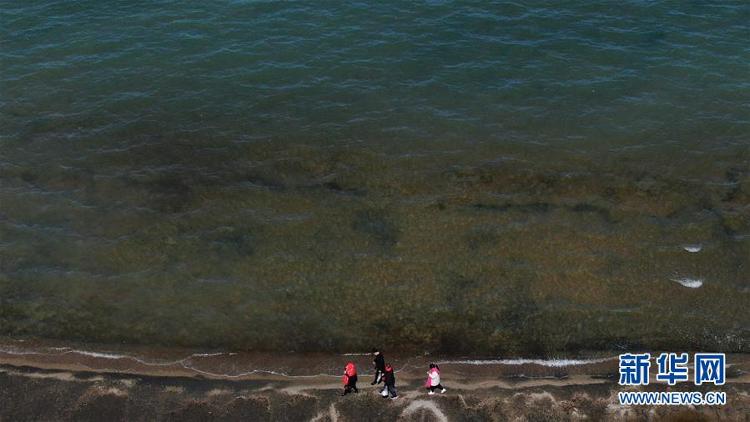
(128, 382)
(83, 395)
(449, 177)
(295, 367)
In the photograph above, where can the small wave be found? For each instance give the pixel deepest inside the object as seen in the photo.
(542, 362)
(692, 283)
(184, 363)
(693, 248)
(104, 355)
(21, 353)
(100, 354)
(253, 372)
(133, 358)
(208, 355)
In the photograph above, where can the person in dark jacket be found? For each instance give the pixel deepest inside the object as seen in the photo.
(379, 363)
(390, 383)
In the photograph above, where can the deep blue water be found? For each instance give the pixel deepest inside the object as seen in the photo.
(589, 72)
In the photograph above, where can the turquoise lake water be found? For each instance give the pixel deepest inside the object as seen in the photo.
(442, 175)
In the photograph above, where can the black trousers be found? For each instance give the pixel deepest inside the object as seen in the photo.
(389, 389)
(351, 385)
(435, 387)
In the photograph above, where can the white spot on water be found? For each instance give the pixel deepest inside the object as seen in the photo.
(692, 283)
(693, 248)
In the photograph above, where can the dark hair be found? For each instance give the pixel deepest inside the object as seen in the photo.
(432, 365)
(374, 350)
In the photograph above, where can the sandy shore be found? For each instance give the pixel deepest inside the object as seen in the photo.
(41, 381)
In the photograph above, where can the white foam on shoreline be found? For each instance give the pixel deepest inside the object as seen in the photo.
(253, 372)
(104, 355)
(99, 354)
(133, 358)
(23, 353)
(184, 363)
(554, 363)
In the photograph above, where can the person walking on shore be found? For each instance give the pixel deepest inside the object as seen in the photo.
(433, 380)
(350, 379)
(379, 363)
(390, 383)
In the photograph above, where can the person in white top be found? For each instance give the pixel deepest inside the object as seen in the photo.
(433, 380)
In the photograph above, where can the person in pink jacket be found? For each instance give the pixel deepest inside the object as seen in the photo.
(433, 380)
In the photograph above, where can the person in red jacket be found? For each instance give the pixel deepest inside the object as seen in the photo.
(350, 379)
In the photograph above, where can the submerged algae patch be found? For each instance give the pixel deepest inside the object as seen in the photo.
(273, 249)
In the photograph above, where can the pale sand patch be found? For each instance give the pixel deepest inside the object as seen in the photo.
(130, 383)
(463, 400)
(98, 391)
(61, 376)
(113, 391)
(539, 396)
(427, 405)
(331, 414)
